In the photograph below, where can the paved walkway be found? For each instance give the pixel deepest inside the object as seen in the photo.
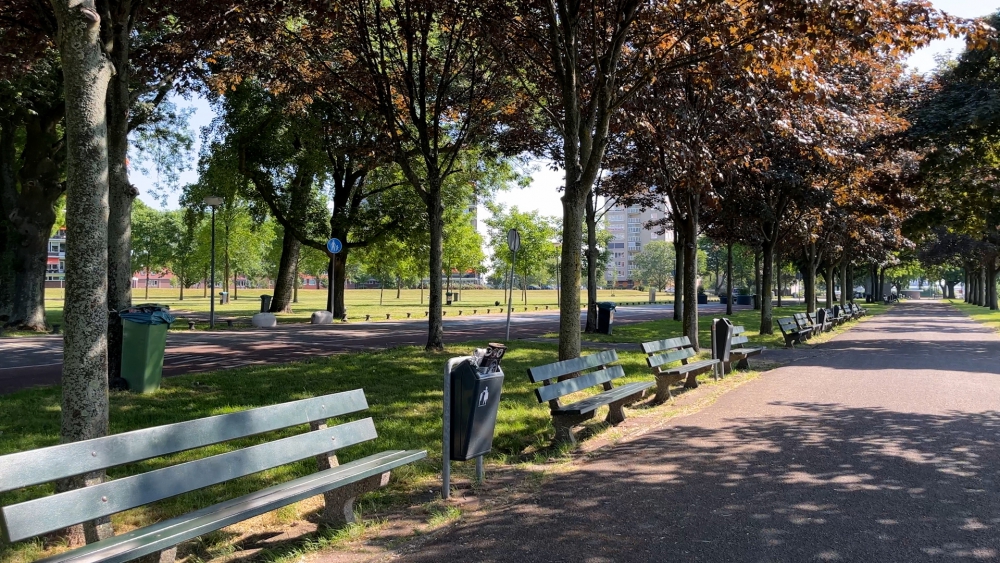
(881, 446)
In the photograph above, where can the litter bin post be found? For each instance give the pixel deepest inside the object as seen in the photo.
(144, 338)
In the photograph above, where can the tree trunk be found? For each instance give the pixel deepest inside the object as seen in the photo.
(690, 316)
(592, 257)
(678, 274)
(284, 284)
(31, 257)
(729, 279)
(574, 206)
(766, 312)
(809, 281)
(984, 300)
(844, 288)
(147, 280)
(86, 74)
(121, 192)
(776, 272)
(831, 284)
(435, 317)
(758, 290)
(399, 287)
(295, 280)
(881, 283)
(951, 289)
(6, 273)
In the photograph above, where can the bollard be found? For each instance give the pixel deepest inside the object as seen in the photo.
(546, 307)
(474, 311)
(368, 317)
(55, 328)
(460, 312)
(426, 313)
(229, 323)
(190, 325)
(408, 315)
(387, 315)
(487, 311)
(444, 313)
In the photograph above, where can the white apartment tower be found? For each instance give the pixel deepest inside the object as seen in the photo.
(627, 225)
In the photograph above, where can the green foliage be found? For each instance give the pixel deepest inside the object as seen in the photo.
(154, 236)
(654, 266)
(538, 242)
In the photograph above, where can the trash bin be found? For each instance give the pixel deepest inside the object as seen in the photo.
(265, 303)
(223, 297)
(605, 316)
(144, 337)
(476, 385)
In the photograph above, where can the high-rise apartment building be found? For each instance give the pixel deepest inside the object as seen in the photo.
(627, 225)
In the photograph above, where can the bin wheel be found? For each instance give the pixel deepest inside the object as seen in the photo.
(119, 384)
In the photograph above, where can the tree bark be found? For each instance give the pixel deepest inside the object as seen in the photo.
(121, 192)
(31, 257)
(984, 300)
(6, 273)
(776, 272)
(592, 257)
(729, 279)
(690, 316)
(766, 311)
(284, 284)
(435, 317)
(844, 288)
(86, 73)
(574, 205)
(757, 288)
(678, 274)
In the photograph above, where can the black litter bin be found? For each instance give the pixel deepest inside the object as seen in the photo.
(605, 316)
(475, 399)
(265, 303)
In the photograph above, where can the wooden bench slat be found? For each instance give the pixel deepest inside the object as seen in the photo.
(694, 366)
(43, 465)
(738, 330)
(674, 356)
(58, 511)
(660, 345)
(556, 390)
(597, 401)
(168, 533)
(739, 340)
(565, 367)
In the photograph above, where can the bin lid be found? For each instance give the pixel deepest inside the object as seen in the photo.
(606, 305)
(147, 314)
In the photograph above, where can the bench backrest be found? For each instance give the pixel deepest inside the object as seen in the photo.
(739, 339)
(593, 370)
(802, 320)
(788, 324)
(46, 514)
(813, 318)
(662, 352)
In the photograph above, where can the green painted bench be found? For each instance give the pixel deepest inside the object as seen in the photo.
(802, 320)
(792, 332)
(339, 484)
(858, 311)
(739, 352)
(570, 376)
(818, 320)
(663, 352)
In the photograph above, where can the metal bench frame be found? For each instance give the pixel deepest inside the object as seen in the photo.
(339, 484)
(560, 379)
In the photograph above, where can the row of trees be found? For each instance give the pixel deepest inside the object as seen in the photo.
(769, 124)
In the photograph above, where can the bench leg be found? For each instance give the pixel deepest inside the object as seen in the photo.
(564, 431)
(165, 556)
(663, 383)
(743, 364)
(616, 410)
(692, 381)
(339, 503)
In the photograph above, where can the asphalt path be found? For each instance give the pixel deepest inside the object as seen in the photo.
(31, 361)
(882, 446)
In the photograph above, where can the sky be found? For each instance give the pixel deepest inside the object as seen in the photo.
(544, 192)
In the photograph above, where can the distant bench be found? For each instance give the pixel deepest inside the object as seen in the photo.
(339, 484)
(570, 376)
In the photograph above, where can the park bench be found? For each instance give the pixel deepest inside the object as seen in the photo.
(804, 323)
(858, 311)
(820, 319)
(841, 314)
(792, 332)
(569, 376)
(339, 484)
(663, 352)
(738, 352)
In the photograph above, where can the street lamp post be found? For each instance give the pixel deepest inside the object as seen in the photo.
(213, 202)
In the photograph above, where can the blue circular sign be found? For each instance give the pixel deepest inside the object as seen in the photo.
(334, 246)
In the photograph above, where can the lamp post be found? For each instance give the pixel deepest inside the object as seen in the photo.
(213, 202)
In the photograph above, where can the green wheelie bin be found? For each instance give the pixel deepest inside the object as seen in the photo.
(144, 338)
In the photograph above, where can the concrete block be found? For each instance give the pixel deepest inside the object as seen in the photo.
(321, 318)
(264, 320)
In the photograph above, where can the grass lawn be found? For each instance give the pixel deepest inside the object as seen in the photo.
(979, 314)
(360, 302)
(403, 387)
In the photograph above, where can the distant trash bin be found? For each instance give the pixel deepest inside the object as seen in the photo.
(144, 338)
(605, 316)
(223, 297)
(265, 303)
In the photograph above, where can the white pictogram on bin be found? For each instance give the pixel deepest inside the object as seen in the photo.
(483, 397)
